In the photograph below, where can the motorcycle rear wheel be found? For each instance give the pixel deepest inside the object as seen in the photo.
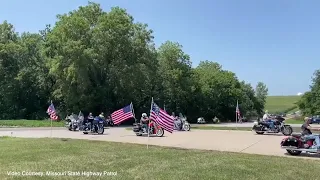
(294, 152)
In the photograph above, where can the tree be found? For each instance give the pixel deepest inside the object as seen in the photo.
(220, 90)
(261, 97)
(175, 74)
(92, 60)
(309, 103)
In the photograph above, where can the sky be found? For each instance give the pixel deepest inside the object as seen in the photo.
(272, 41)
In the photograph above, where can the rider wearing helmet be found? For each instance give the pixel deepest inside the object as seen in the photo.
(101, 115)
(144, 121)
(306, 132)
(266, 117)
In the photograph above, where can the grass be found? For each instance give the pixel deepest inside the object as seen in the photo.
(294, 121)
(281, 103)
(30, 123)
(131, 161)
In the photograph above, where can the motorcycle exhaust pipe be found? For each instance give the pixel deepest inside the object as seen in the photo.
(292, 148)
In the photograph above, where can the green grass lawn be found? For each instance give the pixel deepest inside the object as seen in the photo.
(30, 123)
(281, 103)
(294, 121)
(131, 161)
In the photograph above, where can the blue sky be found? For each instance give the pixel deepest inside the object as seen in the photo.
(273, 41)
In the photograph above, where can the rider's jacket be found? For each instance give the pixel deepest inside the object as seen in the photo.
(144, 120)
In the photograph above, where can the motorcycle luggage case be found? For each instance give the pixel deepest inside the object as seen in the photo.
(291, 141)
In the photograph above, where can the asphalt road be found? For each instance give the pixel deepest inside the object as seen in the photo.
(221, 140)
(246, 124)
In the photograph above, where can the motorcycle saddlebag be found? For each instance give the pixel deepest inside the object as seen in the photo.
(290, 141)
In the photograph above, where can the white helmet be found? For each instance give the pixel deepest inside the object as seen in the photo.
(144, 115)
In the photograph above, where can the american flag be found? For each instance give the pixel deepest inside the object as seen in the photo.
(122, 114)
(238, 112)
(161, 118)
(52, 112)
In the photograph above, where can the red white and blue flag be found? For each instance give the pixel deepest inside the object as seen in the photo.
(122, 114)
(52, 112)
(161, 117)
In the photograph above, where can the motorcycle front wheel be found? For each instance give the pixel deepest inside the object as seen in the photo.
(186, 127)
(100, 130)
(287, 130)
(160, 132)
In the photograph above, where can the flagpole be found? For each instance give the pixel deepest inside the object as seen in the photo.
(51, 123)
(149, 123)
(134, 115)
(237, 108)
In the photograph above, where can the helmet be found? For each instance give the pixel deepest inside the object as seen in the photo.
(144, 115)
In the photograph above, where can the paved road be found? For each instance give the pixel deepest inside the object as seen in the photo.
(233, 141)
(247, 124)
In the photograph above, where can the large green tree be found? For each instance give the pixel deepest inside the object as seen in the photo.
(93, 60)
(309, 103)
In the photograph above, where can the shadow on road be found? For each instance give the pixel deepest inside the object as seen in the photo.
(302, 155)
(270, 134)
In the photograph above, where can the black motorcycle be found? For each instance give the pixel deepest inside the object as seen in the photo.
(96, 127)
(279, 126)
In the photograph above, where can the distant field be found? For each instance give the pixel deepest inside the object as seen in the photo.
(281, 103)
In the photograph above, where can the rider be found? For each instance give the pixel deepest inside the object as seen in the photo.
(90, 119)
(266, 117)
(177, 123)
(144, 121)
(101, 115)
(306, 132)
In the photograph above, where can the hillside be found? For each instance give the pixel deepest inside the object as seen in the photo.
(281, 103)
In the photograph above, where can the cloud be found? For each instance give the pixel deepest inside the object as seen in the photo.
(299, 93)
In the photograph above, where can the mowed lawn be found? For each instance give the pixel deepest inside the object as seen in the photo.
(30, 123)
(131, 161)
(280, 103)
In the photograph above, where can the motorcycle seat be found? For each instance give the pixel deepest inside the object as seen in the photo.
(297, 135)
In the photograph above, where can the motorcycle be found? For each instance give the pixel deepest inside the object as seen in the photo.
(279, 126)
(108, 122)
(184, 124)
(296, 143)
(96, 127)
(157, 131)
(72, 123)
(201, 120)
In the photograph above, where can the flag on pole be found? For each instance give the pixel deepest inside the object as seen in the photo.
(52, 112)
(238, 114)
(161, 117)
(122, 114)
